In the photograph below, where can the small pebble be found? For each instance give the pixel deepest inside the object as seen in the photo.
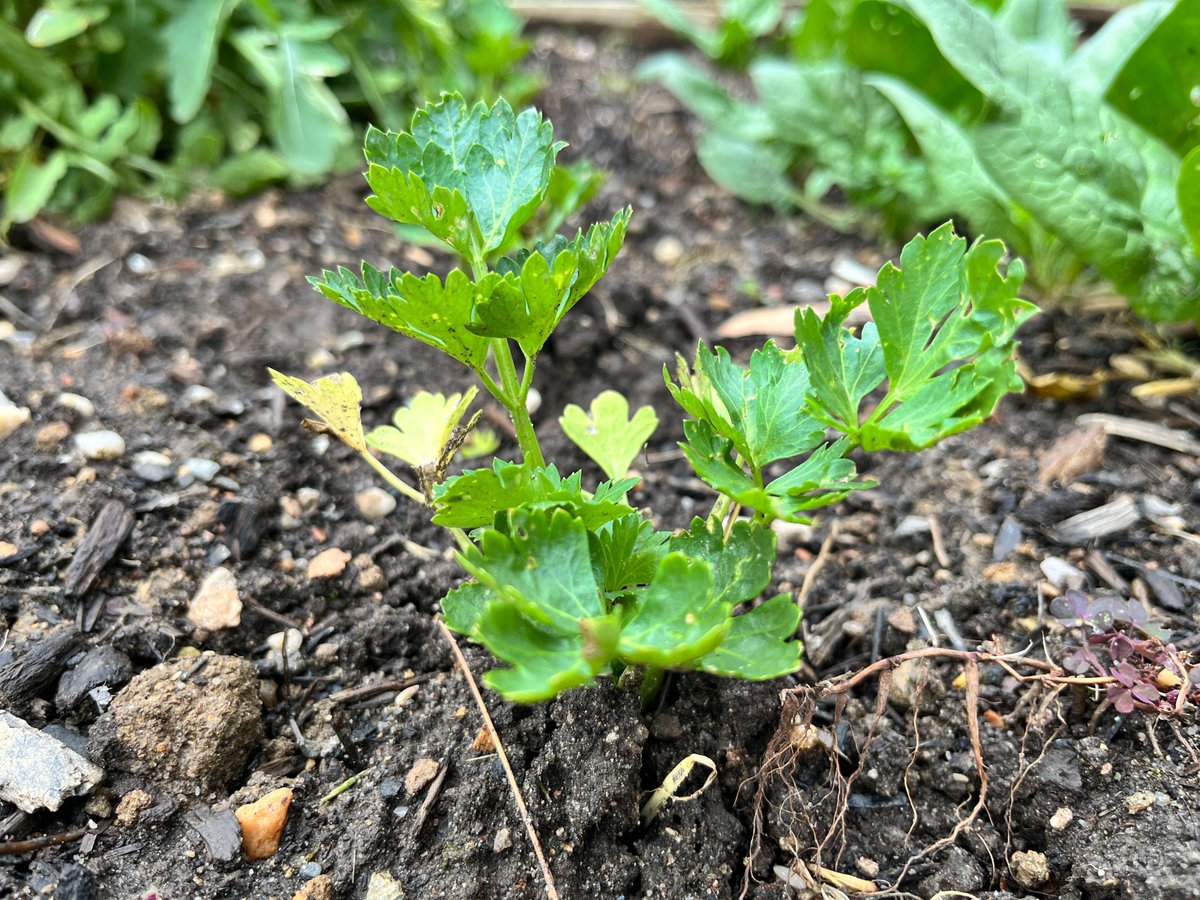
(533, 401)
(1139, 802)
(7, 549)
(39, 528)
(1062, 574)
(668, 250)
(197, 469)
(216, 604)
(199, 395)
(12, 417)
(318, 888)
(259, 443)
(423, 771)
(100, 445)
(1030, 868)
(138, 264)
(502, 841)
(309, 499)
(263, 822)
(328, 564)
(309, 869)
(50, 436)
(151, 466)
(1062, 818)
(912, 525)
(78, 404)
(275, 643)
(383, 886)
(374, 503)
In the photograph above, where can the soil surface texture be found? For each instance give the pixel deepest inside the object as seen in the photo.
(212, 604)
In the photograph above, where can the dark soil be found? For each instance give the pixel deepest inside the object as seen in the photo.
(162, 299)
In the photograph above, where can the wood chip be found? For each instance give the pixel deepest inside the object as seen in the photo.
(1072, 455)
(1146, 432)
(779, 321)
(105, 536)
(39, 665)
(1111, 518)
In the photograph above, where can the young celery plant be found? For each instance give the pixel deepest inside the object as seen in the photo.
(569, 584)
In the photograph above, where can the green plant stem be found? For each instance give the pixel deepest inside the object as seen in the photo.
(460, 537)
(720, 508)
(652, 682)
(517, 392)
(394, 480)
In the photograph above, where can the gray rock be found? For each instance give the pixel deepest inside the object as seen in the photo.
(39, 772)
(219, 829)
(99, 666)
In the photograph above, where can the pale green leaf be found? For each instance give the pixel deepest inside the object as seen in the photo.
(422, 428)
(607, 434)
(335, 399)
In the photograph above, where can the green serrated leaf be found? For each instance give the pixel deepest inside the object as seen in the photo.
(676, 617)
(943, 307)
(473, 499)
(608, 435)
(422, 427)
(540, 287)
(542, 566)
(463, 606)
(741, 564)
(470, 175)
(544, 663)
(428, 309)
(759, 646)
(842, 368)
(763, 411)
(626, 552)
(335, 399)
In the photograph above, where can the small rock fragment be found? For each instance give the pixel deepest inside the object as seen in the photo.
(1008, 537)
(218, 828)
(216, 604)
(422, 772)
(292, 639)
(483, 741)
(1139, 802)
(100, 445)
(502, 841)
(7, 549)
(383, 886)
(668, 250)
(12, 416)
(259, 443)
(198, 395)
(910, 526)
(196, 468)
(1062, 574)
(50, 436)
(102, 665)
(319, 888)
(1029, 868)
(374, 503)
(151, 466)
(131, 807)
(262, 823)
(370, 576)
(1062, 818)
(328, 564)
(39, 772)
(78, 404)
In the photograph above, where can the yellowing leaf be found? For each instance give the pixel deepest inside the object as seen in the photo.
(335, 399)
(609, 435)
(422, 428)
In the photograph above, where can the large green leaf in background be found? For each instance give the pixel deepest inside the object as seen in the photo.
(1159, 87)
(192, 40)
(1189, 197)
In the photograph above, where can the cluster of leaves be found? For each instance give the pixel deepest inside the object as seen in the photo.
(1076, 156)
(1117, 641)
(571, 583)
(100, 97)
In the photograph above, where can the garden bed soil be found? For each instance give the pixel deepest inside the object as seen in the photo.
(166, 320)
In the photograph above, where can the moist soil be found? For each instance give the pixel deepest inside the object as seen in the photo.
(166, 319)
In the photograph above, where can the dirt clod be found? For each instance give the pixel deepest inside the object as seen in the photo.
(187, 725)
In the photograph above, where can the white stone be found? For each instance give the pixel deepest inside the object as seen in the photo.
(100, 444)
(216, 604)
(1062, 574)
(78, 404)
(375, 503)
(276, 642)
(39, 772)
(12, 417)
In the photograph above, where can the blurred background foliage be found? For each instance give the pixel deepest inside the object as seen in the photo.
(155, 97)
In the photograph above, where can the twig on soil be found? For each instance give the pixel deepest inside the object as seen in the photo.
(352, 695)
(14, 848)
(431, 795)
(814, 570)
(551, 890)
(939, 547)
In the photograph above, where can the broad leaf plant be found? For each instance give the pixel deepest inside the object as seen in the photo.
(569, 583)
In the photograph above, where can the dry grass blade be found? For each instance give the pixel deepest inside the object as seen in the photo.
(551, 890)
(1146, 432)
